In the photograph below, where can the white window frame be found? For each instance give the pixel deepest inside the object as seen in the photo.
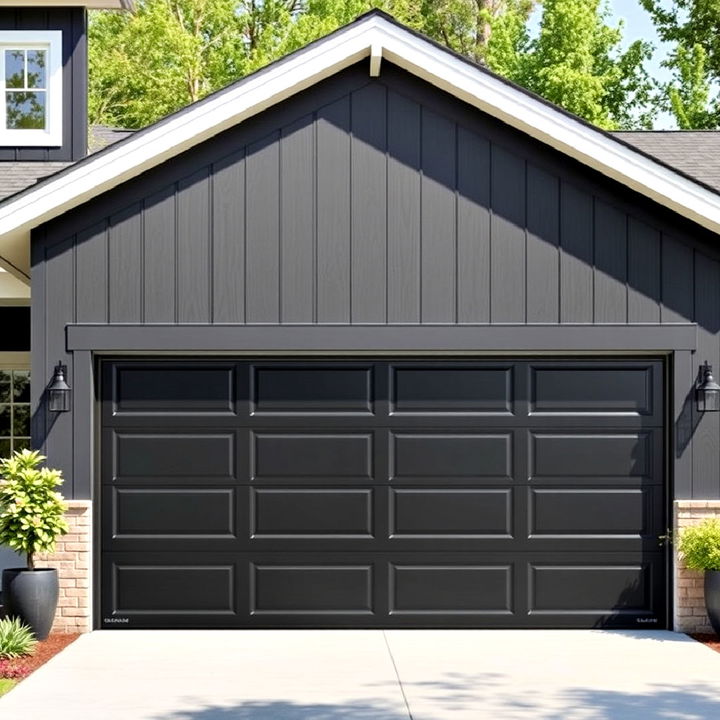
(51, 42)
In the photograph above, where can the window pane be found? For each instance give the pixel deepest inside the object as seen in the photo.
(21, 444)
(4, 447)
(36, 69)
(25, 110)
(21, 386)
(4, 386)
(15, 68)
(5, 420)
(21, 420)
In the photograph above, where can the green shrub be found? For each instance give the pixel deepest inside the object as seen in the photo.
(700, 545)
(31, 510)
(16, 639)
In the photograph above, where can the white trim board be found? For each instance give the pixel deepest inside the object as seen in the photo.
(372, 36)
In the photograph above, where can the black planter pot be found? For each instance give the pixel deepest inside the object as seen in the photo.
(712, 598)
(32, 596)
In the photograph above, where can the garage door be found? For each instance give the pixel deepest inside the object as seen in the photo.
(515, 493)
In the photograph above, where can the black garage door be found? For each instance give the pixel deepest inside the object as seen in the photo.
(523, 493)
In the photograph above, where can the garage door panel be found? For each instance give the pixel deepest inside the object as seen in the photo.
(312, 389)
(450, 457)
(444, 513)
(588, 457)
(311, 457)
(311, 513)
(450, 589)
(595, 390)
(291, 588)
(595, 586)
(155, 456)
(452, 389)
(169, 389)
(607, 512)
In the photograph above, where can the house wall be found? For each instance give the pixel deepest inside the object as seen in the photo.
(376, 202)
(73, 24)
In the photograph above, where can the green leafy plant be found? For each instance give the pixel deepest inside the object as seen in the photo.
(16, 639)
(31, 510)
(700, 545)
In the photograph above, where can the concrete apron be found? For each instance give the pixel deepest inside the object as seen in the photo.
(373, 675)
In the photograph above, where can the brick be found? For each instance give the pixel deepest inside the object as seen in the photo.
(76, 592)
(82, 582)
(73, 612)
(67, 582)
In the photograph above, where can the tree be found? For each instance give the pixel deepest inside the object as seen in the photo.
(693, 27)
(173, 52)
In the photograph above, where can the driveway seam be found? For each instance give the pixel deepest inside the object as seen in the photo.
(397, 675)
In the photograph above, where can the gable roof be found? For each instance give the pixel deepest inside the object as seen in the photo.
(374, 36)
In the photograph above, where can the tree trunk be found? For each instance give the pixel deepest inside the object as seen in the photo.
(31, 561)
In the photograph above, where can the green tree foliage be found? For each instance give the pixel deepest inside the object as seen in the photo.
(173, 52)
(31, 510)
(693, 28)
(700, 545)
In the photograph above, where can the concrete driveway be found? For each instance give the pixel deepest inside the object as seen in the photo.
(373, 675)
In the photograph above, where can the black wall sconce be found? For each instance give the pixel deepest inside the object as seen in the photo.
(707, 391)
(59, 391)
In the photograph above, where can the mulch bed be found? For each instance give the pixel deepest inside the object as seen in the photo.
(709, 639)
(44, 651)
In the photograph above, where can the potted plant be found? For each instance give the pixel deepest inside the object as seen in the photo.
(31, 519)
(700, 547)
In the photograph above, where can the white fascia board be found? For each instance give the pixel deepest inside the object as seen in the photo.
(373, 35)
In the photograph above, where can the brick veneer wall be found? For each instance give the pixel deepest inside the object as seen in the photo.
(72, 559)
(690, 615)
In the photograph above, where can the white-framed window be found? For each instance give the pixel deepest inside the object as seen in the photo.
(31, 88)
(14, 402)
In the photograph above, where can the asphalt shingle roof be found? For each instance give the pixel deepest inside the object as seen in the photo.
(694, 152)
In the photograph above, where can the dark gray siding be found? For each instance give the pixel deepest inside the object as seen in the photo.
(73, 24)
(381, 202)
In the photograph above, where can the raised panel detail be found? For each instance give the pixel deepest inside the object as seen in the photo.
(312, 455)
(450, 589)
(576, 455)
(173, 513)
(450, 513)
(580, 513)
(311, 589)
(451, 390)
(311, 513)
(173, 589)
(592, 390)
(172, 390)
(312, 389)
(451, 455)
(591, 588)
(177, 455)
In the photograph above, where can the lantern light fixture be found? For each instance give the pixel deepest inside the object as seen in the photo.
(707, 391)
(59, 390)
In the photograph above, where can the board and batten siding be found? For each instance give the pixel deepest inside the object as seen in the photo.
(376, 201)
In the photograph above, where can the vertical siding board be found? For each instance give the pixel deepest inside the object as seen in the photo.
(685, 369)
(262, 271)
(706, 439)
(473, 231)
(610, 272)
(193, 248)
(38, 337)
(438, 244)
(543, 236)
(643, 273)
(677, 281)
(576, 255)
(403, 210)
(333, 212)
(368, 184)
(59, 310)
(228, 222)
(297, 222)
(507, 253)
(126, 266)
(91, 259)
(160, 257)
